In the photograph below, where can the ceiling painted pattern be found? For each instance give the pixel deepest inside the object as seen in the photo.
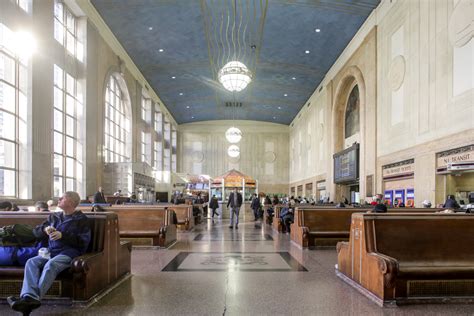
(143, 27)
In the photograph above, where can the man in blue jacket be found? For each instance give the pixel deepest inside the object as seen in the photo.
(69, 236)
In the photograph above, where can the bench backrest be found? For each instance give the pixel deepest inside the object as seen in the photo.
(327, 219)
(421, 237)
(97, 223)
(135, 218)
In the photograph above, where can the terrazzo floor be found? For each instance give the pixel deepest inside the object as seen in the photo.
(215, 270)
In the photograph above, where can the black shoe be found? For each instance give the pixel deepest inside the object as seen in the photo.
(12, 300)
(231, 227)
(24, 305)
(236, 227)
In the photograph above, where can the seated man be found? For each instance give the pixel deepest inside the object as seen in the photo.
(41, 206)
(69, 236)
(287, 217)
(379, 208)
(8, 206)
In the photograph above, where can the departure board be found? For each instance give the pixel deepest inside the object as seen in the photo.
(346, 165)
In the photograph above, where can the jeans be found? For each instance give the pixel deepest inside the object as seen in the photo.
(234, 210)
(40, 274)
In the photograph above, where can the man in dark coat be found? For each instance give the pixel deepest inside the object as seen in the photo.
(69, 236)
(99, 196)
(255, 206)
(214, 205)
(235, 202)
(451, 203)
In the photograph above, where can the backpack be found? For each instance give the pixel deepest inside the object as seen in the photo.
(17, 256)
(17, 235)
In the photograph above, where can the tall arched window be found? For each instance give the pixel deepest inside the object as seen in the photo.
(68, 116)
(14, 86)
(352, 113)
(117, 122)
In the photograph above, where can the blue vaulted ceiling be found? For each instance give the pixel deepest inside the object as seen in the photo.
(143, 27)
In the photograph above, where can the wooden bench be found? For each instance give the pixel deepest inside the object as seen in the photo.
(277, 224)
(148, 225)
(322, 227)
(398, 258)
(184, 214)
(266, 218)
(105, 264)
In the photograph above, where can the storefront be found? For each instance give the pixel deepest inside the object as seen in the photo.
(399, 182)
(308, 190)
(455, 174)
(320, 191)
(299, 191)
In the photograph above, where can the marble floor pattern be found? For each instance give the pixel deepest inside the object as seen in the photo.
(237, 272)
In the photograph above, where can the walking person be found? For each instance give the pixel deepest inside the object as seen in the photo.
(235, 202)
(255, 206)
(214, 205)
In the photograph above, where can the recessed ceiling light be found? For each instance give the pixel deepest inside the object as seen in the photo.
(187, 106)
(192, 117)
(181, 93)
(279, 108)
(150, 28)
(294, 78)
(285, 95)
(173, 77)
(161, 50)
(307, 51)
(274, 117)
(317, 30)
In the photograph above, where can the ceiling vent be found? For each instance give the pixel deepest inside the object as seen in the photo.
(233, 104)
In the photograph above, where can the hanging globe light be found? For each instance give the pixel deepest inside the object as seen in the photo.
(233, 135)
(234, 76)
(233, 151)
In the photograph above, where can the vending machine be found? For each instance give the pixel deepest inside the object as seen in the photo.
(388, 197)
(400, 195)
(410, 198)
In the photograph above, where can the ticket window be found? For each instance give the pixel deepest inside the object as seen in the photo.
(399, 189)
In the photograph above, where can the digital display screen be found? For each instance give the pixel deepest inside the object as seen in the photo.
(199, 186)
(346, 165)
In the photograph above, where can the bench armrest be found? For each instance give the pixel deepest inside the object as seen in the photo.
(387, 266)
(82, 264)
(342, 246)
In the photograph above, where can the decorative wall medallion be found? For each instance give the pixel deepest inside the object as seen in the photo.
(396, 74)
(269, 156)
(197, 156)
(461, 23)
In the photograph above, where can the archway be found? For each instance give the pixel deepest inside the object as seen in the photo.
(348, 127)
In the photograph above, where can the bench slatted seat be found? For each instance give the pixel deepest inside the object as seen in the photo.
(399, 258)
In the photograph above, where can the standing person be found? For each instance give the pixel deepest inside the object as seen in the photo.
(69, 236)
(255, 206)
(118, 193)
(99, 196)
(235, 202)
(275, 200)
(214, 205)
